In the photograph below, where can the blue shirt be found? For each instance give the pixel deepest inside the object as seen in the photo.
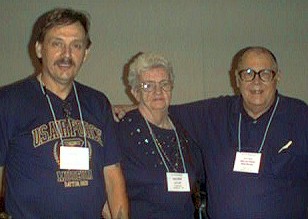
(29, 150)
(280, 189)
(145, 172)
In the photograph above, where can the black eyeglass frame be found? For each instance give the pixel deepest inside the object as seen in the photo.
(259, 73)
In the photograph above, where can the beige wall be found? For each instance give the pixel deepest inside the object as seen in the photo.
(199, 37)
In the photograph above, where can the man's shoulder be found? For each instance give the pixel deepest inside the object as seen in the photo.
(291, 103)
(88, 89)
(292, 100)
(92, 98)
(294, 109)
(17, 88)
(89, 92)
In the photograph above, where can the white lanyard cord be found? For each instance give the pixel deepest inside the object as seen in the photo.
(43, 88)
(52, 112)
(81, 117)
(159, 151)
(266, 130)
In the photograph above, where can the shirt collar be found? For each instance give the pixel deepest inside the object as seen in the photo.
(239, 108)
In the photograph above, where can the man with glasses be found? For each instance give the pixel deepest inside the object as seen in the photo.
(255, 144)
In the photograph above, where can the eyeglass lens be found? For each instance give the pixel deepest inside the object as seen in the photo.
(149, 86)
(265, 75)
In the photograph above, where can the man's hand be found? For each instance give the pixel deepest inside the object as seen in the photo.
(106, 211)
(119, 111)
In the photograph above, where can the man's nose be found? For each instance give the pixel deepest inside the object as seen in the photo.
(257, 79)
(67, 51)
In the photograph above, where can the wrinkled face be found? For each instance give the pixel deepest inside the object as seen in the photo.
(257, 95)
(158, 99)
(62, 53)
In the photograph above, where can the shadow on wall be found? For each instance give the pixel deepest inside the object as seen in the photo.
(125, 77)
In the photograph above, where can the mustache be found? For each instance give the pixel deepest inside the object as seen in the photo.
(65, 61)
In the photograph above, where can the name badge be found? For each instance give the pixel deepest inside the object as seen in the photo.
(74, 158)
(177, 182)
(247, 162)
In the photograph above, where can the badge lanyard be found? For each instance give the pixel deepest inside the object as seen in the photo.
(157, 147)
(43, 88)
(266, 130)
(249, 162)
(176, 182)
(71, 158)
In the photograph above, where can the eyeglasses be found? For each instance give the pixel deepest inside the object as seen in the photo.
(266, 75)
(149, 86)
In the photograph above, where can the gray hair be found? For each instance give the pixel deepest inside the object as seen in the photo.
(146, 62)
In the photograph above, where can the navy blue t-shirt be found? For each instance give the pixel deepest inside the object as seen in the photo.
(29, 149)
(145, 172)
(280, 189)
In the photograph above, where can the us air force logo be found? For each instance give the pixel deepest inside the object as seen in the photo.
(72, 135)
(73, 178)
(70, 143)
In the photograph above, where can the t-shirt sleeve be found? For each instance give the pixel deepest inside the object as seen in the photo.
(3, 129)
(111, 143)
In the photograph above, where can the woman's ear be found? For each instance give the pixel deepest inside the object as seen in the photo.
(136, 94)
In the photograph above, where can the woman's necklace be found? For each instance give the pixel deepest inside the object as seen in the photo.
(174, 166)
(162, 153)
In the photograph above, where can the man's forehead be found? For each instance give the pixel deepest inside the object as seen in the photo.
(75, 29)
(255, 57)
